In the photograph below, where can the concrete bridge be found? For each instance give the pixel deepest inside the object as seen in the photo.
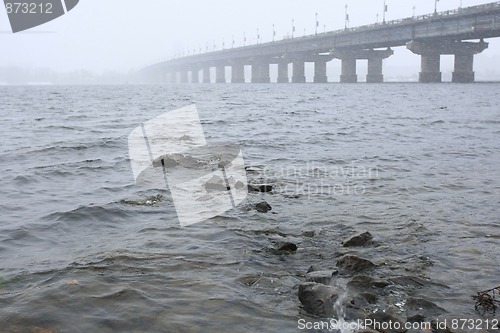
(459, 33)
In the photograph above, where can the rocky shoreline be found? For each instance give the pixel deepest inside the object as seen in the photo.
(355, 291)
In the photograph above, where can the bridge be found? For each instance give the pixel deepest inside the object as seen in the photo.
(459, 32)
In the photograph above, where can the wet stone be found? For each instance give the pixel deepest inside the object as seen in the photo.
(285, 248)
(253, 169)
(263, 207)
(314, 268)
(318, 299)
(362, 282)
(249, 280)
(323, 277)
(354, 314)
(352, 264)
(412, 281)
(308, 234)
(216, 184)
(418, 308)
(264, 188)
(363, 239)
(370, 298)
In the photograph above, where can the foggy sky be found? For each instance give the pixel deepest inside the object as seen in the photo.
(120, 35)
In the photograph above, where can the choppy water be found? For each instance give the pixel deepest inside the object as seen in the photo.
(416, 165)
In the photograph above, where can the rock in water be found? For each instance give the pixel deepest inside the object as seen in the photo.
(353, 264)
(263, 207)
(265, 188)
(359, 240)
(418, 309)
(314, 268)
(287, 247)
(318, 299)
(323, 277)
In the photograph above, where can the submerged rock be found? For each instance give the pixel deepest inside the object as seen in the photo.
(216, 184)
(285, 248)
(318, 299)
(363, 239)
(265, 188)
(351, 264)
(253, 169)
(263, 207)
(314, 268)
(249, 280)
(418, 309)
(362, 282)
(323, 277)
(149, 201)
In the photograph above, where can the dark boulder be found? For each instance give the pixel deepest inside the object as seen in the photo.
(351, 264)
(318, 299)
(418, 308)
(265, 188)
(363, 239)
(323, 277)
(286, 248)
(263, 207)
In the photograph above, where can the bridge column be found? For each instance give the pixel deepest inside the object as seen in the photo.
(220, 74)
(464, 61)
(431, 68)
(173, 77)
(260, 72)
(320, 71)
(464, 69)
(348, 74)
(184, 76)
(195, 76)
(283, 72)
(206, 75)
(298, 75)
(238, 73)
(375, 74)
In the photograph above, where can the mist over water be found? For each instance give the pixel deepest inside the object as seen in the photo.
(83, 249)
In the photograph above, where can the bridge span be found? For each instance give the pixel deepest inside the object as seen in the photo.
(460, 33)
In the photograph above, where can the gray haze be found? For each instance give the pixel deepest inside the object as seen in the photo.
(113, 37)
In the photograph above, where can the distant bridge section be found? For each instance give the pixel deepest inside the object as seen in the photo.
(460, 33)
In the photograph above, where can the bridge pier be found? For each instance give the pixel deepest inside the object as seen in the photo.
(184, 76)
(431, 68)
(260, 72)
(299, 73)
(375, 74)
(220, 74)
(195, 76)
(172, 77)
(283, 72)
(206, 75)
(348, 74)
(320, 71)
(464, 68)
(431, 59)
(238, 73)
